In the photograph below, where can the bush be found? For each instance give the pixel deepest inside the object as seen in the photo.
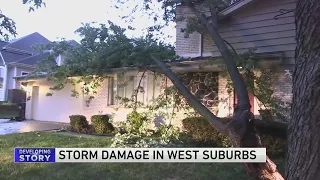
(139, 141)
(167, 133)
(101, 124)
(135, 122)
(203, 133)
(272, 134)
(79, 123)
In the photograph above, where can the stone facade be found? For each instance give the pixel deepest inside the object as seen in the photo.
(210, 88)
(204, 85)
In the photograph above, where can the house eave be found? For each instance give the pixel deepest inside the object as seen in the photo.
(10, 49)
(21, 65)
(234, 7)
(209, 63)
(196, 64)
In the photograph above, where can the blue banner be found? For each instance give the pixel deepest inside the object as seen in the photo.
(23, 155)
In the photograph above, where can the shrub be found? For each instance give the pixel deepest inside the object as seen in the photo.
(168, 132)
(203, 133)
(101, 124)
(135, 122)
(273, 135)
(276, 146)
(79, 123)
(139, 141)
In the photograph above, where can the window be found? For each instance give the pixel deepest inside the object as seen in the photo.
(24, 73)
(123, 86)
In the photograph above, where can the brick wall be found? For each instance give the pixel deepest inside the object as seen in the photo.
(282, 85)
(226, 100)
(186, 47)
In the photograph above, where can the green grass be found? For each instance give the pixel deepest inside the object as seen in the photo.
(100, 171)
(8, 114)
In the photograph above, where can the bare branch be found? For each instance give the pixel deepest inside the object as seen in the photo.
(234, 51)
(137, 90)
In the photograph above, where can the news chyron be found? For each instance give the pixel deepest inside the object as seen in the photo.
(143, 155)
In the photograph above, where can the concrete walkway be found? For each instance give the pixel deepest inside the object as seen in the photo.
(8, 127)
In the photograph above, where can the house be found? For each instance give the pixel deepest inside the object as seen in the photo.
(246, 24)
(267, 26)
(18, 58)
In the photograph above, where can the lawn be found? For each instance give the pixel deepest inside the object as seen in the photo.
(97, 171)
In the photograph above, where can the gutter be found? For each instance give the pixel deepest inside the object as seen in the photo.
(21, 65)
(30, 78)
(234, 7)
(17, 50)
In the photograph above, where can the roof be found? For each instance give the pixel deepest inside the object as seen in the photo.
(21, 51)
(73, 43)
(10, 57)
(3, 43)
(32, 60)
(27, 43)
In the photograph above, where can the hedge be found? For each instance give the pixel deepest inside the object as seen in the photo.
(101, 124)
(79, 123)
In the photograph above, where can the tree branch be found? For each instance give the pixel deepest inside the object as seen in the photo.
(236, 78)
(137, 90)
(191, 99)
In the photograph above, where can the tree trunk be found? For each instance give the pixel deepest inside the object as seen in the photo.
(303, 159)
(240, 124)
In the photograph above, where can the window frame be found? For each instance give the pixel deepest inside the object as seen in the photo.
(113, 89)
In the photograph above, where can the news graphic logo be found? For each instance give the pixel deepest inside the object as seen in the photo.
(141, 155)
(34, 155)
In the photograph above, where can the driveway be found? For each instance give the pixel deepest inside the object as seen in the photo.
(8, 127)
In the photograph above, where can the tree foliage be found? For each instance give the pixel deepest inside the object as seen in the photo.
(8, 26)
(102, 49)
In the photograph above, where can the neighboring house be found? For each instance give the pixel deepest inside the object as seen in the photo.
(17, 58)
(246, 24)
